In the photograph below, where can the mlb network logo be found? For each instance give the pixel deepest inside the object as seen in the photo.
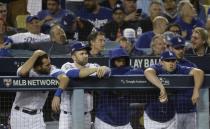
(7, 82)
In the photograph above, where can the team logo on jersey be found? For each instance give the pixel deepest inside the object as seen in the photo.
(7, 82)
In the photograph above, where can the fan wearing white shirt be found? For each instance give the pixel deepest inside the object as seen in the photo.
(34, 32)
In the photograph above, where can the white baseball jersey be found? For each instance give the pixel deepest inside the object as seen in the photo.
(30, 100)
(65, 97)
(28, 37)
(34, 99)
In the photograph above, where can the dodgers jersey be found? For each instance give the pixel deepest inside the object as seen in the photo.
(66, 95)
(163, 112)
(114, 106)
(34, 99)
(28, 37)
(99, 19)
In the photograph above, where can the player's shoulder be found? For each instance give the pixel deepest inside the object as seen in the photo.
(68, 66)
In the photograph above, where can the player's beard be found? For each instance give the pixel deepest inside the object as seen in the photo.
(82, 62)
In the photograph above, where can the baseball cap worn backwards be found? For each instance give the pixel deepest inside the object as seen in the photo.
(177, 42)
(168, 55)
(30, 18)
(77, 46)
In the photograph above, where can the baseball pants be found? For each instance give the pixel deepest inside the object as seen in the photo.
(99, 124)
(186, 120)
(151, 124)
(21, 120)
(65, 121)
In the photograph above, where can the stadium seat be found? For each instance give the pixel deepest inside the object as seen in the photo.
(20, 21)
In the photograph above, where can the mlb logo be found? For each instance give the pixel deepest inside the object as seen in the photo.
(7, 82)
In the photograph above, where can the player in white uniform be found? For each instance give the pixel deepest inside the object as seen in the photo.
(34, 32)
(80, 68)
(26, 112)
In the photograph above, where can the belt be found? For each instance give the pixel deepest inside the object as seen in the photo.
(28, 111)
(65, 112)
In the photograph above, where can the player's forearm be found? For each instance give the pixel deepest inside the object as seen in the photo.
(63, 81)
(27, 66)
(198, 78)
(85, 72)
(152, 77)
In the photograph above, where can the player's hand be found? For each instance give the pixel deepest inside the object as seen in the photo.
(38, 53)
(101, 71)
(163, 98)
(195, 96)
(56, 104)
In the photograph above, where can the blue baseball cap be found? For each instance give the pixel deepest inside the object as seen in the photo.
(118, 53)
(68, 20)
(177, 42)
(30, 18)
(168, 55)
(77, 46)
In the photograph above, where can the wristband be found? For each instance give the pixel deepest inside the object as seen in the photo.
(58, 92)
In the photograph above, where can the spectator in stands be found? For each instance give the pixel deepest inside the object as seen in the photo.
(187, 18)
(161, 114)
(96, 41)
(159, 27)
(4, 40)
(175, 28)
(33, 35)
(58, 45)
(110, 3)
(158, 45)
(114, 28)
(113, 109)
(208, 29)
(133, 14)
(127, 42)
(200, 10)
(155, 9)
(96, 14)
(199, 43)
(170, 10)
(3, 14)
(3, 11)
(77, 28)
(53, 14)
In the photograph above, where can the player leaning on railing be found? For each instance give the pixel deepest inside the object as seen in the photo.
(26, 112)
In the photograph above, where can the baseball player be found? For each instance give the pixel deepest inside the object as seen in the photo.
(185, 110)
(26, 112)
(80, 68)
(113, 110)
(161, 114)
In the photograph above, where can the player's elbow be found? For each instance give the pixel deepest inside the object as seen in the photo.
(148, 72)
(198, 72)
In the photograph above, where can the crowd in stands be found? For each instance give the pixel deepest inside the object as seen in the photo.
(102, 22)
(109, 19)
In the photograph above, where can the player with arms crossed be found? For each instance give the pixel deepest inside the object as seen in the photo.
(154, 116)
(80, 68)
(26, 110)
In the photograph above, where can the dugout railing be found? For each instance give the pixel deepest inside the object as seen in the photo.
(12, 83)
